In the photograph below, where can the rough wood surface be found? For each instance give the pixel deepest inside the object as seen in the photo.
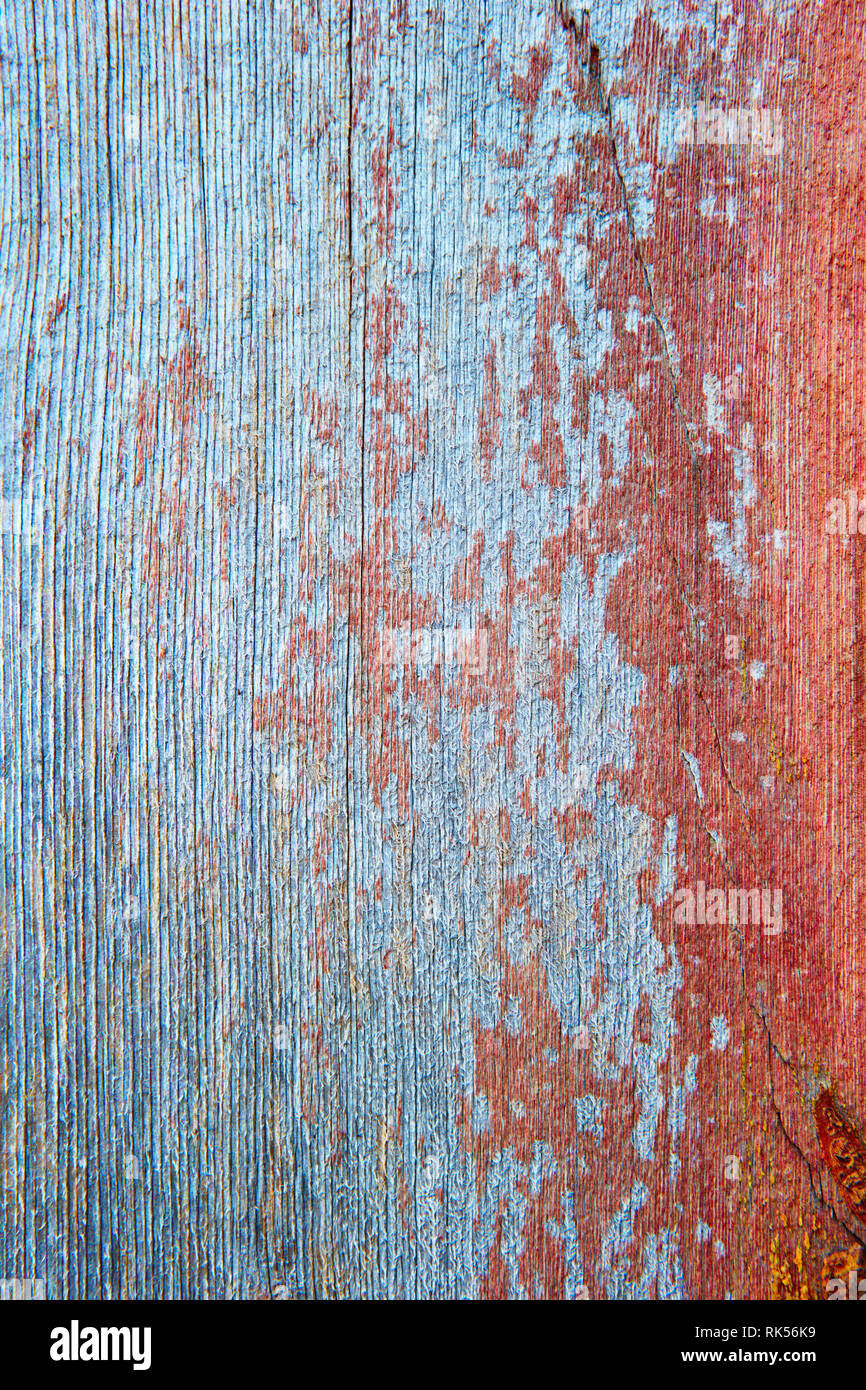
(422, 458)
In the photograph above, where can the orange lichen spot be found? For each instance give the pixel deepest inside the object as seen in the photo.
(841, 1264)
(844, 1151)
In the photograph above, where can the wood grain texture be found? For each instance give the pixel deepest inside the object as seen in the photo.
(421, 430)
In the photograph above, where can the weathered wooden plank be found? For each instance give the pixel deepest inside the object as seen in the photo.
(421, 590)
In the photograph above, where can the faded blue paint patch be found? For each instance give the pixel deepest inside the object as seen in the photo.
(720, 1033)
(679, 1091)
(667, 866)
(662, 1273)
(589, 1113)
(566, 1230)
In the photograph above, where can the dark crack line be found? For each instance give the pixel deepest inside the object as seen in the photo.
(817, 1193)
